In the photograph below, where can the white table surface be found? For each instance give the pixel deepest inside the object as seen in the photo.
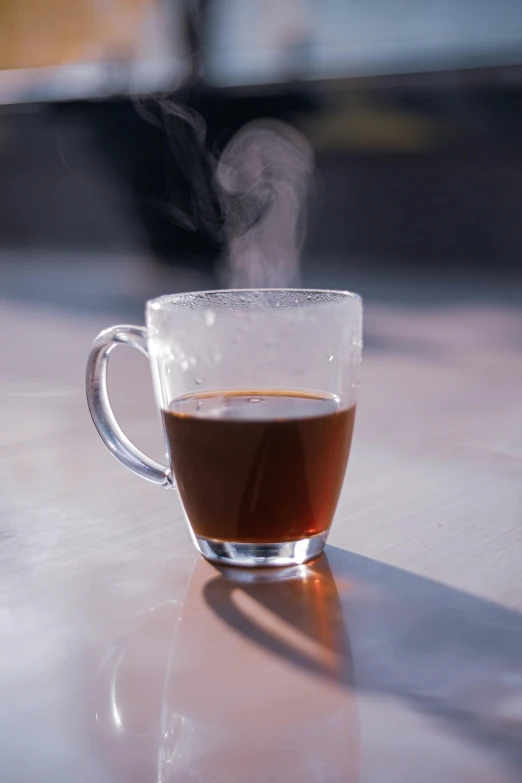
(397, 657)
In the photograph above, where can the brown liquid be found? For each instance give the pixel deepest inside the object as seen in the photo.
(259, 467)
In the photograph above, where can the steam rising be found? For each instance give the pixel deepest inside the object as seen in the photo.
(263, 177)
(251, 200)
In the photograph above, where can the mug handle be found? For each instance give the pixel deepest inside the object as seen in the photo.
(100, 409)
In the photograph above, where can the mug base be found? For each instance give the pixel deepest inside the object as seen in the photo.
(286, 553)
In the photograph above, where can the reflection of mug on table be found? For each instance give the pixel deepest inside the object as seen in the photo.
(258, 684)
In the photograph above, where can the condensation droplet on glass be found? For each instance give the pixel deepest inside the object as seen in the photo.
(155, 306)
(184, 365)
(331, 357)
(197, 380)
(168, 370)
(210, 317)
(193, 361)
(198, 406)
(309, 297)
(254, 399)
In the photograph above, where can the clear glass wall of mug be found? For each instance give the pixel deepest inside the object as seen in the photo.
(257, 390)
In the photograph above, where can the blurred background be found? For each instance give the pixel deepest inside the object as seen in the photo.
(114, 113)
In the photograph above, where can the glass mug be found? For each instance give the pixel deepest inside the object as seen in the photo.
(257, 391)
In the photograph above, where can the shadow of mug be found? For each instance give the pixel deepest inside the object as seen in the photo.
(257, 685)
(251, 678)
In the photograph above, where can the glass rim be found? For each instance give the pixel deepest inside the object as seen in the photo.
(166, 300)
